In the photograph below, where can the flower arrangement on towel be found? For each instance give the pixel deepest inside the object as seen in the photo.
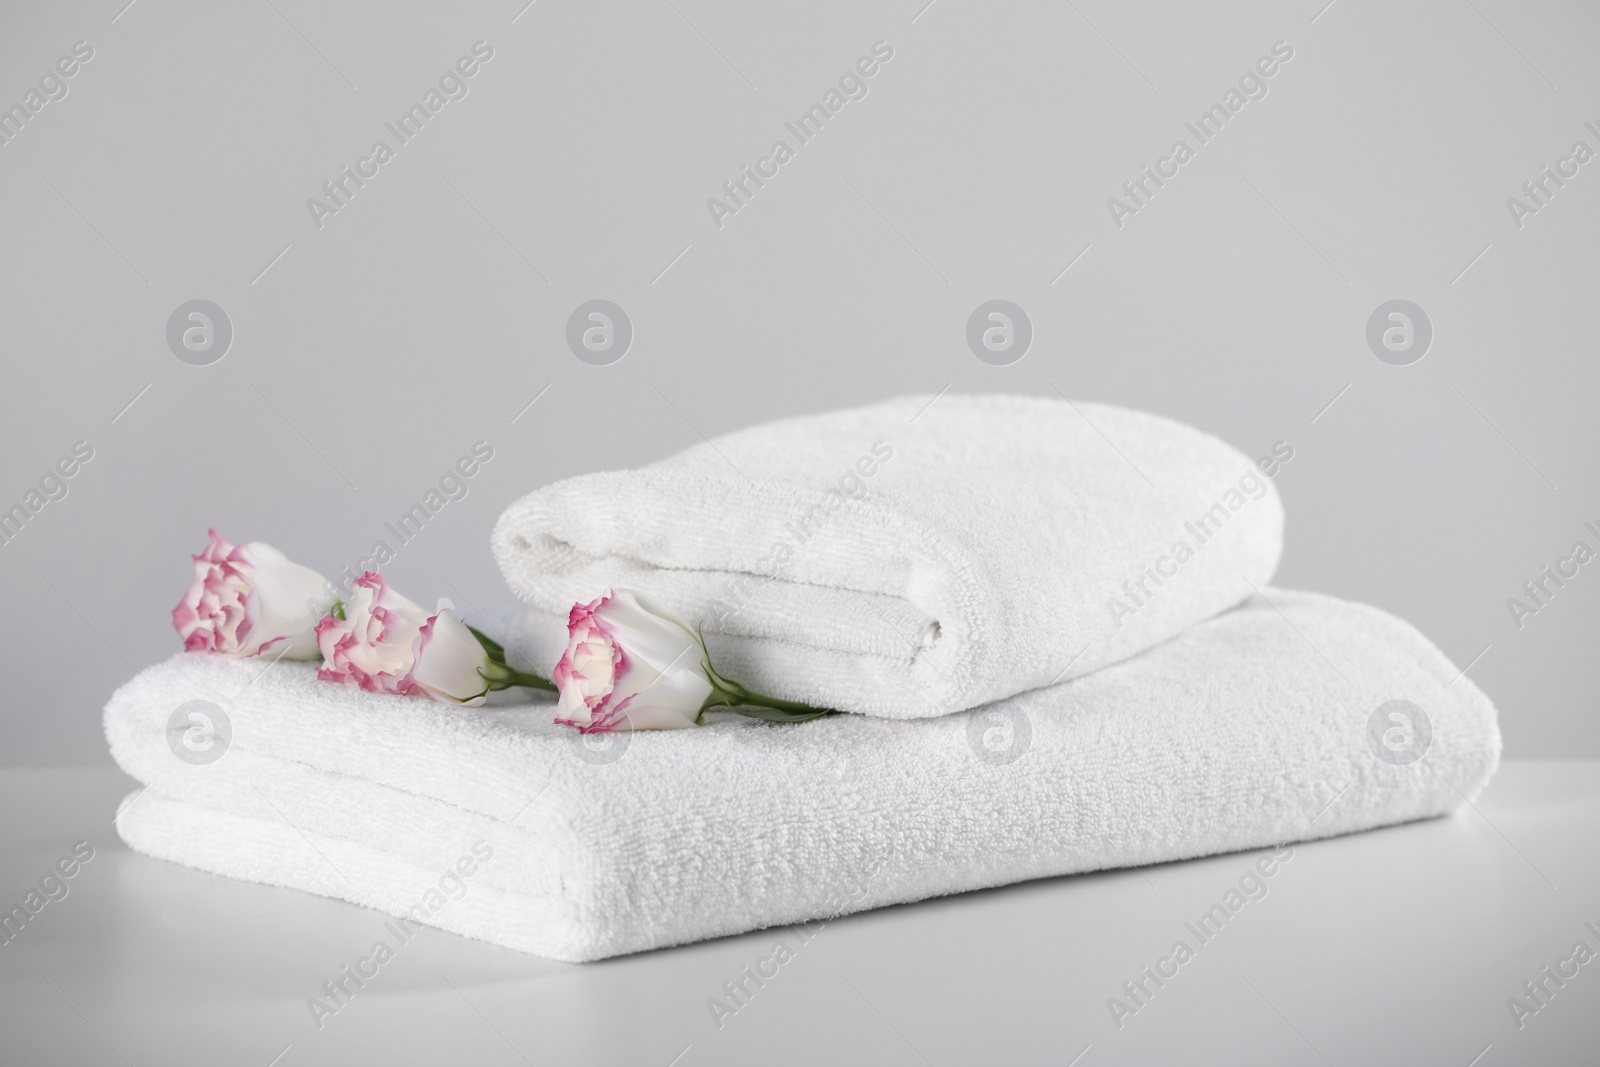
(630, 664)
(250, 600)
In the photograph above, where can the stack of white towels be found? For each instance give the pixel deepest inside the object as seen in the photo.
(1049, 625)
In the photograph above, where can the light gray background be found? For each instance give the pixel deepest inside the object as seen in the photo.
(428, 313)
(371, 353)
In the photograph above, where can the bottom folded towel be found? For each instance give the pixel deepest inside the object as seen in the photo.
(1294, 716)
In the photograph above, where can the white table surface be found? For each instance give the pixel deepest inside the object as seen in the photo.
(1398, 946)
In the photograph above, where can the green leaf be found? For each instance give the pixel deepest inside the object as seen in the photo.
(496, 650)
(782, 714)
(337, 611)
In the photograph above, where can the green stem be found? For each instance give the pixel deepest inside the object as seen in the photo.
(731, 694)
(738, 694)
(500, 676)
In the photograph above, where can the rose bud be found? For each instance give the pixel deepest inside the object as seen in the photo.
(386, 643)
(631, 664)
(249, 599)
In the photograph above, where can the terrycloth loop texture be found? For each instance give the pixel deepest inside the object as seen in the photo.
(1249, 730)
(904, 562)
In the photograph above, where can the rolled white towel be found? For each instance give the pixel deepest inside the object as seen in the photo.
(910, 559)
(1294, 718)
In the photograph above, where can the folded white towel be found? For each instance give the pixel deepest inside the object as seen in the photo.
(1273, 722)
(907, 560)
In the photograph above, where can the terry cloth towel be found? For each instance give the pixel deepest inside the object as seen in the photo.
(1274, 722)
(911, 559)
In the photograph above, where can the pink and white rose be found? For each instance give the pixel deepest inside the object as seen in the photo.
(630, 664)
(249, 599)
(387, 643)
